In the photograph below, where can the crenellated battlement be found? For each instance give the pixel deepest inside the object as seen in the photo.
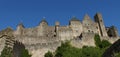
(40, 39)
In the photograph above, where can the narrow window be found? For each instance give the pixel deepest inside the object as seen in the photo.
(97, 27)
(88, 30)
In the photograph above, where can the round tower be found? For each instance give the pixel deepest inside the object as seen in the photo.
(42, 27)
(76, 26)
(43, 22)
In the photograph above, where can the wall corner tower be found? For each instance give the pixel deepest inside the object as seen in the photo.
(98, 19)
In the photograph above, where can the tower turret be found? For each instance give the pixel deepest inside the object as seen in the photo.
(43, 22)
(42, 27)
(76, 26)
(98, 18)
(57, 24)
(20, 29)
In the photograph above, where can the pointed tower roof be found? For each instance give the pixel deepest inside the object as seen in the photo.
(21, 24)
(87, 18)
(74, 19)
(43, 20)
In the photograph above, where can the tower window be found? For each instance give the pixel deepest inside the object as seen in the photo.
(92, 32)
(88, 30)
(76, 30)
(97, 27)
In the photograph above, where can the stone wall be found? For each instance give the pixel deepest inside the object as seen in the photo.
(2, 44)
(38, 40)
(41, 44)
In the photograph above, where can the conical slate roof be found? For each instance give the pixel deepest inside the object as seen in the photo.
(43, 20)
(86, 17)
(21, 24)
(74, 19)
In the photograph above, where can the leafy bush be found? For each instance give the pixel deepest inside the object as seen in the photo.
(97, 40)
(91, 52)
(48, 54)
(66, 50)
(6, 52)
(105, 43)
(101, 44)
(25, 53)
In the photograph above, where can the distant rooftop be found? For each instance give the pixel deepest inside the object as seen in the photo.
(74, 19)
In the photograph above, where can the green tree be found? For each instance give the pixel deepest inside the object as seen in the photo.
(25, 53)
(66, 50)
(60, 50)
(101, 44)
(97, 40)
(105, 43)
(91, 52)
(48, 54)
(6, 52)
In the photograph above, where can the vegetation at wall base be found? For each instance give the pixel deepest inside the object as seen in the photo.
(66, 50)
(48, 54)
(6, 52)
(25, 53)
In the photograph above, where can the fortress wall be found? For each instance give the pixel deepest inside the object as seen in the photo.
(77, 43)
(2, 44)
(50, 45)
(86, 40)
(50, 31)
(30, 32)
(33, 40)
(40, 39)
(38, 46)
(39, 49)
(65, 33)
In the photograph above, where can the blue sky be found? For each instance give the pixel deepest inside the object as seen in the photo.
(30, 12)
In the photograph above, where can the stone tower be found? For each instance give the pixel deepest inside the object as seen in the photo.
(98, 18)
(112, 32)
(20, 29)
(76, 26)
(88, 25)
(57, 24)
(42, 27)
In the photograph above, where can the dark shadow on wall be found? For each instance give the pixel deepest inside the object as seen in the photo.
(114, 48)
(17, 48)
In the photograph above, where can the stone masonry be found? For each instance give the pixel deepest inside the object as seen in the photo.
(43, 38)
